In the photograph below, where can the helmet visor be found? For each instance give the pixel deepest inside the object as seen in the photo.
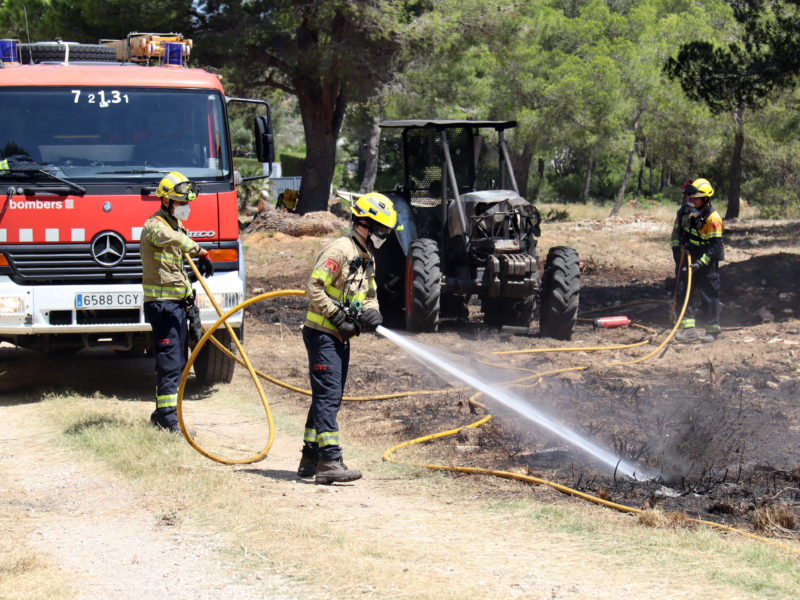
(185, 188)
(380, 231)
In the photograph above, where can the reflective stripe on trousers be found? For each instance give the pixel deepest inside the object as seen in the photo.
(328, 360)
(170, 347)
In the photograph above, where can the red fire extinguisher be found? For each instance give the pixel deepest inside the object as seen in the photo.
(612, 322)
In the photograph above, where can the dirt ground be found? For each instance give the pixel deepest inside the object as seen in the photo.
(716, 425)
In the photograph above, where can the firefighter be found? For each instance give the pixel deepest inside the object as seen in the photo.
(344, 274)
(698, 231)
(168, 291)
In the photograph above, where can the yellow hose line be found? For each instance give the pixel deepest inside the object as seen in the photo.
(671, 333)
(254, 373)
(578, 349)
(677, 284)
(387, 456)
(305, 392)
(223, 318)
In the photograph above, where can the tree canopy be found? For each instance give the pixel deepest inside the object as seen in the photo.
(615, 98)
(325, 54)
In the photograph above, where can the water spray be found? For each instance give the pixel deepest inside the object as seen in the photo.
(431, 360)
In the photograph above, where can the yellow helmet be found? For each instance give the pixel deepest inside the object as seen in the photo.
(176, 186)
(699, 188)
(377, 208)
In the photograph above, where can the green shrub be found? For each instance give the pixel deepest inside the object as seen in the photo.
(555, 214)
(249, 191)
(292, 164)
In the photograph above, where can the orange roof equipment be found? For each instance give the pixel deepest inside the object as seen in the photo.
(146, 48)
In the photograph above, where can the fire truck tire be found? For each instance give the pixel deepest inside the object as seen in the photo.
(423, 286)
(212, 365)
(54, 51)
(560, 293)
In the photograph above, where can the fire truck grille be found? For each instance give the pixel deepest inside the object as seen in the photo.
(70, 264)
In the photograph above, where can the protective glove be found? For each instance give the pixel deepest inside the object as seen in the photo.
(370, 319)
(193, 320)
(195, 325)
(346, 326)
(205, 266)
(696, 266)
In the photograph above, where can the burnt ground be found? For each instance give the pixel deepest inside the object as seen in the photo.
(717, 425)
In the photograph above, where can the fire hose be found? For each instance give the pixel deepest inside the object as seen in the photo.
(387, 456)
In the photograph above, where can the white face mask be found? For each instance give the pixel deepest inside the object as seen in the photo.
(181, 212)
(377, 241)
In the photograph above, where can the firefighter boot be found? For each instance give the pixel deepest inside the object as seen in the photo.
(687, 335)
(168, 422)
(308, 467)
(335, 471)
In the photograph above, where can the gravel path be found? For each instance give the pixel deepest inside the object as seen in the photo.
(105, 539)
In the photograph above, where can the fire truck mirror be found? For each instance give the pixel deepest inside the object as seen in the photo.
(265, 144)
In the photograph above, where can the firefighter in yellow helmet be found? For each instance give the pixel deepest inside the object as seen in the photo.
(698, 230)
(343, 278)
(168, 291)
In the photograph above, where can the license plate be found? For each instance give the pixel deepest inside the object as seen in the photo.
(93, 300)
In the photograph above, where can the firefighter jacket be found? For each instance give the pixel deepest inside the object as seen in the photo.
(162, 244)
(344, 271)
(700, 234)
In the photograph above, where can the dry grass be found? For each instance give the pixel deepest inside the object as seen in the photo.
(406, 533)
(663, 211)
(772, 519)
(655, 517)
(24, 575)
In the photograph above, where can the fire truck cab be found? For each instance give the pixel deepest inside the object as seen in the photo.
(83, 146)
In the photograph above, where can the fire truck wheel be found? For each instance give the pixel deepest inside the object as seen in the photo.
(57, 51)
(560, 293)
(214, 366)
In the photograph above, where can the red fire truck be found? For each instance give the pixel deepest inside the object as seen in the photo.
(85, 139)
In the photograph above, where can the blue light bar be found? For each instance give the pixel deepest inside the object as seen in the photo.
(173, 53)
(9, 51)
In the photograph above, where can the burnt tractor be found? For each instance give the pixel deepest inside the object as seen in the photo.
(458, 239)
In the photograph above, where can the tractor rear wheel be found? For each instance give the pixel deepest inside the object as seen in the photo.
(560, 293)
(423, 285)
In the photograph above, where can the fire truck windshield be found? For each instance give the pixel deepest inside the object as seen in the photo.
(106, 134)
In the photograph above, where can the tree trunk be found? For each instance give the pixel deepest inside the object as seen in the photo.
(736, 166)
(629, 167)
(371, 152)
(587, 182)
(624, 186)
(322, 121)
(640, 179)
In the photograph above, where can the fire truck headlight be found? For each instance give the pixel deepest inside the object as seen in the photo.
(11, 305)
